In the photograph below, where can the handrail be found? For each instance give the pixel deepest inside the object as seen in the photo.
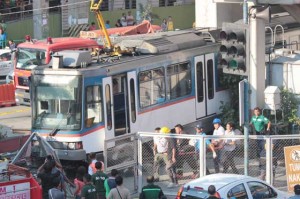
(282, 33)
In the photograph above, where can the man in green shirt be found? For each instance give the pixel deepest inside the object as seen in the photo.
(151, 191)
(88, 190)
(98, 179)
(259, 121)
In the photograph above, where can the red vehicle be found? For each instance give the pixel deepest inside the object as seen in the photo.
(31, 54)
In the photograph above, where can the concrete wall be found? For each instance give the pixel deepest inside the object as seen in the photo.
(212, 15)
(183, 17)
(17, 30)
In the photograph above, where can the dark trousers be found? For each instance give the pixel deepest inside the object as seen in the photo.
(217, 161)
(228, 161)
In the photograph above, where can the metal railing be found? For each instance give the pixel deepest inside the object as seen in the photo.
(266, 158)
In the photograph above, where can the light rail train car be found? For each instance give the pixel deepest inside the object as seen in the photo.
(175, 79)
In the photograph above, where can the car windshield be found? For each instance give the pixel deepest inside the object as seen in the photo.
(28, 58)
(196, 194)
(57, 102)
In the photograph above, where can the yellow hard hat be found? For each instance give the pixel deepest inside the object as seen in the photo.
(165, 130)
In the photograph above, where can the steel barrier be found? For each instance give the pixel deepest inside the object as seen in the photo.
(121, 153)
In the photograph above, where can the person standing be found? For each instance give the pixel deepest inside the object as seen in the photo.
(228, 150)
(55, 192)
(12, 44)
(170, 24)
(164, 25)
(129, 19)
(259, 121)
(2, 38)
(123, 20)
(110, 182)
(89, 190)
(160, 149)
(172, 160)
(107, 24)
(92, 26)
(46, 177)
(151, 191)
(183, 148)
(200, 132)
(218, 131)
(296, 191)
(81, 171)
(98, 179)
(120, 192)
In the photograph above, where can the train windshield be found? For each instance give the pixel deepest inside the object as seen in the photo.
(57, 102)
(28, 58)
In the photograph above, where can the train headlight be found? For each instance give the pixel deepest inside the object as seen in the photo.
(72, 146)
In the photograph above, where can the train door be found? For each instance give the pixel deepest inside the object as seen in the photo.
(204, 83)
(131, 79)
(108, 108)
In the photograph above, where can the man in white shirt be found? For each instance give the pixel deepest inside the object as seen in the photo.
(160, 153)
(218, 143)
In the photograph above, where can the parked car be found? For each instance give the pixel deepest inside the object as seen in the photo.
(5, 62)
(230, 186)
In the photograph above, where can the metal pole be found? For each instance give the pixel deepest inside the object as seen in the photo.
(202, 151)
(245, 11)
(140, 164)
(246, 127)
(268, 160)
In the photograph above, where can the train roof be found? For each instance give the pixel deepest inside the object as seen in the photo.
(162, 46)
(59, 43)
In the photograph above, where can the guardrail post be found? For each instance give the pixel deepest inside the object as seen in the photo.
(202, 151)
(140, 163)
(269, 161)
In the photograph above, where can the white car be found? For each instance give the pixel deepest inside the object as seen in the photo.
(5, 62)
(230, 186)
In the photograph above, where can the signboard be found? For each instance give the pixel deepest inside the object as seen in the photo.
(292, 165)
(88, 34)
(20, 191)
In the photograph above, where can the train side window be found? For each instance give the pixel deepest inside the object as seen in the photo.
(132, 101)
(152, 87)
(210, 79)
(93, 106)
(179, 80)
(200, 91)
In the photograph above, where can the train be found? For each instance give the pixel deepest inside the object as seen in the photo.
(169, 78)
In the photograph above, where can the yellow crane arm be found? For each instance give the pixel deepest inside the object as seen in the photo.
(95, 7)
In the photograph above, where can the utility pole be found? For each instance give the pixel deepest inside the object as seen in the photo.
(40, 19)
(257, 56)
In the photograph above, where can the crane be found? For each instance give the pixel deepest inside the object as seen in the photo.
(95, 7)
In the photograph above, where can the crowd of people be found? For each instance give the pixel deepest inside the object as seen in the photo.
(174, 152)
(90, 183)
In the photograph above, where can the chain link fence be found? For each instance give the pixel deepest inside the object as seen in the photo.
(121, 153)
(195, 158)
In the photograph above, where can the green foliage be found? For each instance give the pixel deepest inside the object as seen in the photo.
(289, 106)
(230, 110)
